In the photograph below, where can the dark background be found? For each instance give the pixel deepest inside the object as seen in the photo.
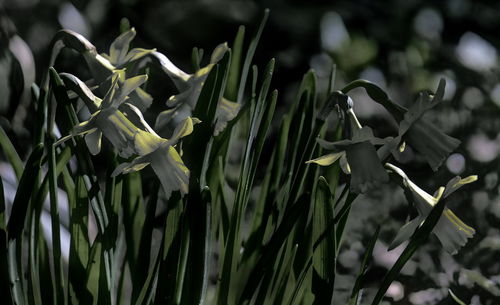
(404, 46)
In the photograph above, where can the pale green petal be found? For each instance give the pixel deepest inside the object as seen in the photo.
(181, 98)
(423, 201)
(80, 129)
(170, 170)
(145, 142)
(119, 48)
(457, 182)
(185, 128)
(135, 116)
(344, 165)
(127, 86)
(127, 167)
(190, 93)
(327, 159)
(165, 117)
(219, 53)
(178, 76)
(118, 130)
(141, 99)
(112, 92)
(100, 68)
(226, 111)
(405, 232)
(137, 53)
(452, 232)
(93, 141)
(82, 90)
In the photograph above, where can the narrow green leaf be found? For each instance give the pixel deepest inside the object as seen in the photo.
(358, 285)
(278, 293)
(341, 218)
(133, 222)
(146, 242)
(199, 214)
(272, 247)
(93, 272)
(260, 122)
(79, 244)
(59, 283)
(23, 193)
(323, 277)
(170, 250)
(150, 284)
(249, 57)
(4, 276)
(11, 154)
(235, 66)
(16, 224)
(182, 263)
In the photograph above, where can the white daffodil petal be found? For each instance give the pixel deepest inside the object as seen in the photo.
(141, 99)
(219, 53)
(185, 128)
(128, 167)
(178, 76)
(136, 117)
(129, 85)
(405, 232)
(119, 47)
(226, 111)
(93, 141)
(344, 165)
(82, 90)
(118, 130)
(327, 159)
(180, 98)
(137, 53)
(165, 117)
(145, 142)
(457, 182)
(170, 170)
(452, 232)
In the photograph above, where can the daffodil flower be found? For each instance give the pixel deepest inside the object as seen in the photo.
(106, 118)
(119, 53)
(103, 66)
(423, 136)
(357, 155)
(190, 86)
(131, 139)
(162, 156)
(450, 230)
(414, 130)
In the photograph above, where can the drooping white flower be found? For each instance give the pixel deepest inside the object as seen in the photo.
(162, 156)
(182, 104)
(450, 230)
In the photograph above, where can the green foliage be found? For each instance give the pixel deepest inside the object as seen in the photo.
(164, 200)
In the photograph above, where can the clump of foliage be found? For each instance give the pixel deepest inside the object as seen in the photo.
(205, 176)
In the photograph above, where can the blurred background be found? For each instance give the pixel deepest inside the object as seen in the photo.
(404, 46)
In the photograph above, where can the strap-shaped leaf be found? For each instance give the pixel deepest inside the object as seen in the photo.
(23, 193)
(11, 154)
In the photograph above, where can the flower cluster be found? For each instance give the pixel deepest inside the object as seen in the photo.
(118, 115)
(365, 157)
